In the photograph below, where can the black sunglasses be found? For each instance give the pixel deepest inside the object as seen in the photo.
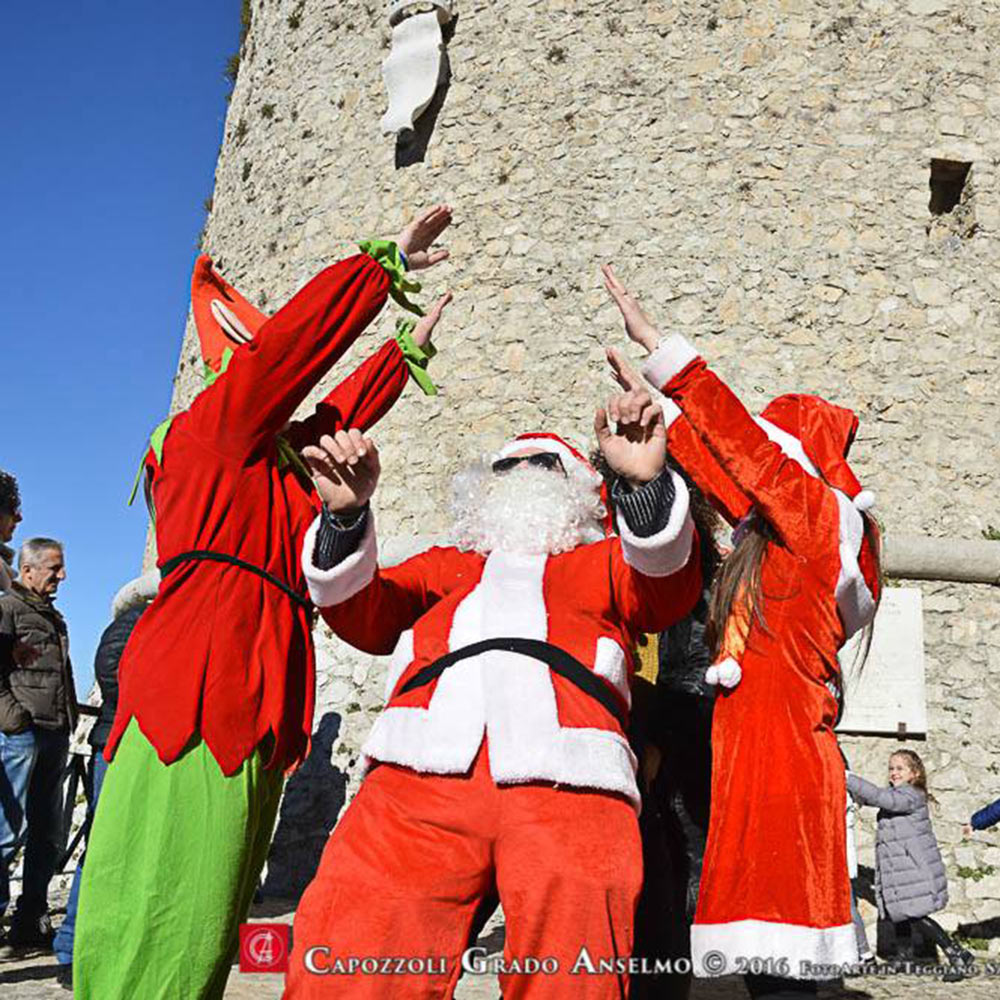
(544, 460)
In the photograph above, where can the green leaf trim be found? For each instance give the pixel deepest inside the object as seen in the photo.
(386, 253)
(417, 358)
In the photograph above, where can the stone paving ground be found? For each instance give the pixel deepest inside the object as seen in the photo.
(34, 979)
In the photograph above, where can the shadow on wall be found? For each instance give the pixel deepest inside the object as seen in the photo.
(411, 146)
(313, 799)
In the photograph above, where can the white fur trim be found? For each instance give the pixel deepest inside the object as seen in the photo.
(789, 444)
(351, 575)
(671, 411)
(141, 590)
(570, 461)
(854, 600)
(800, 946)
(508, 696)
(728, 673)
(402, 657)
(668, 550)
(610, 663)
(672, 355)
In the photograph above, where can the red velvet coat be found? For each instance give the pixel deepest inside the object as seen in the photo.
(592, 602)
(222, 653)
(775, 882)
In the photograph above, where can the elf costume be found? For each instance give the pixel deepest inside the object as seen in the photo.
(775, 881)
(500, 762)
(217, 681)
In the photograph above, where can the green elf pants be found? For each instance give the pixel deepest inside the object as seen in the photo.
(172, 864)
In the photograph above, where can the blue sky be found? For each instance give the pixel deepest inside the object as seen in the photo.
(113, 115)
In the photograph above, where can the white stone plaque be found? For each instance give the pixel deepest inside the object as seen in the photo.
(887, 696)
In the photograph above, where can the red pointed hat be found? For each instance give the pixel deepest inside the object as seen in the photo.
(825, 431)
(819, 435)
(223, 318)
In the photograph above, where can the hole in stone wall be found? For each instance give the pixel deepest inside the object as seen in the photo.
(947, 182)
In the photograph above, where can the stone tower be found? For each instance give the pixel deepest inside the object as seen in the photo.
(807, 189)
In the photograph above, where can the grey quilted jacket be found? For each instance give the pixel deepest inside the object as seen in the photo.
(910, 879)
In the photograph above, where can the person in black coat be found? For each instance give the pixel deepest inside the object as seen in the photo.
(672, 735)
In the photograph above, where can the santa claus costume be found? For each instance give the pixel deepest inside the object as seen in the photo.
(216, 683)
(775, 883)
(501, 758)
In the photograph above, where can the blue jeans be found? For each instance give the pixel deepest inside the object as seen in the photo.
(63, 943)
(31, 813)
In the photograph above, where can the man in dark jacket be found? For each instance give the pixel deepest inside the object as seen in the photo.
(37, 715)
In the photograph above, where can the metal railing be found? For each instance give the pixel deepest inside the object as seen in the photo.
(76, 776)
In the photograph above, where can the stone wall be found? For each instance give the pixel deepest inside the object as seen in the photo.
(759, 173)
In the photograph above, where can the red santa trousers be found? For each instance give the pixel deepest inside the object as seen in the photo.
(406, 867)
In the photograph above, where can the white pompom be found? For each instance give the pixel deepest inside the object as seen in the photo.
(865, 500)
(728, 673)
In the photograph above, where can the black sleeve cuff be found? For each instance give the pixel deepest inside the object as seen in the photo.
(337, 537)
(647, 509)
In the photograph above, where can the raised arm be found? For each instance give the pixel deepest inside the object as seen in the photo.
(654, 567)
(371, 390)
(802, 509)
(986, 817)
(367, 607)
(270, 376)
(687, 448)
(904, 799)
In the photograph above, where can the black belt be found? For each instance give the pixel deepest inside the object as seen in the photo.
(557, 660)
(204, 555)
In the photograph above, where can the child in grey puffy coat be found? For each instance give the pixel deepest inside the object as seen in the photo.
(910, 880)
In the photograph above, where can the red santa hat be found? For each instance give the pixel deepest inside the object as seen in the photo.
(573, 460)
(822, 431)
(819, 435)
(223, 318)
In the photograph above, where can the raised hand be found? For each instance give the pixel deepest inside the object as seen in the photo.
(425, 327)
(625, 375)
(637, 447)
(637, 324)
(345, 467)
(415, 240)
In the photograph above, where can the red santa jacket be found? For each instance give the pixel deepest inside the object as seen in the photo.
(775, 879)
(221, 652)
(692, 441)
(592, 602)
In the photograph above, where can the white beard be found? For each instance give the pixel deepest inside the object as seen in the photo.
(528, 510)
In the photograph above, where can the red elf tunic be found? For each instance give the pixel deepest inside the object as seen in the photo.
(775, 884)
(222, 652)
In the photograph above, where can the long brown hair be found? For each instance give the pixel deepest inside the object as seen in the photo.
(739, 579)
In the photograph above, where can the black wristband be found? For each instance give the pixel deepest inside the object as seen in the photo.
(337, 537)
(647, 509)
